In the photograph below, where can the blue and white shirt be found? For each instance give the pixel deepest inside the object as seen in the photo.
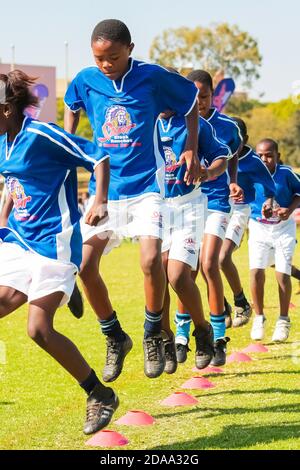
(217, 191)
(287, 185)
(124, 116)
(173, 133)
(39, 167)
(252, 170)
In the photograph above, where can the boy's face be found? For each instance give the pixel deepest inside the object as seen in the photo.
(204, 98)
(112, 57)
(268, 154)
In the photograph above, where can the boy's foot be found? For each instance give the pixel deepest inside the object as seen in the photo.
(170, 353)
(76, 303)
(219, 358)
(228, 319)
(258, 328)
(282, 330)
(115, 354)
(242, 315)
(181, 352)
(204, 346)
(99, 410)
(154, 356)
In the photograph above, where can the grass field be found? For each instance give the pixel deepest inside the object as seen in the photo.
(255, 405)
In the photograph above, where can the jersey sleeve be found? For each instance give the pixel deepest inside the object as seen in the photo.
(174, 92)
(236, 139)
(74, 95)
(209, 147)
(261, 175)
(294, 183)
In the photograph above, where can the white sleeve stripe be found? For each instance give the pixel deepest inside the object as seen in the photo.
(194, 102)
(75, 146)
(73, 110)
(100, 161)
(37, 131)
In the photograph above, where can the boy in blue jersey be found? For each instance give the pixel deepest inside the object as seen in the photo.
(185, 218)
(273, 239)
(219, 207)
(251, 170)
(41, 245)
(123, 98)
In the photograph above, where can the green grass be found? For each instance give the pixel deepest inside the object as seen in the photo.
(254, 405)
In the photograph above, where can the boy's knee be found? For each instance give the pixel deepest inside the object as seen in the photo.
(257, 274)
(224, 259)
(210, 267)
(178, 281)
(38, 334)
(151, 262)
(4, 307)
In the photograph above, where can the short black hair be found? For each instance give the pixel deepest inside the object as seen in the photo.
(242, 126)
(271, 142)
(201, 76)
(111, 30)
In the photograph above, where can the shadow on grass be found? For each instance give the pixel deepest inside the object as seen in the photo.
(240, 436)
(7, 403)
(231, 375)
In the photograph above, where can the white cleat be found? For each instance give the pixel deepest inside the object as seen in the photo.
(282, 330)
(258, 328)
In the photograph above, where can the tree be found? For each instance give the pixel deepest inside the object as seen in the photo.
(219, 47)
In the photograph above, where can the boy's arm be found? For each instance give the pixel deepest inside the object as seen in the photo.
(98, 211)
(284, 212)
(71, 120)
(6, 210)
(190, 153)
(236, 192)
(216, 169)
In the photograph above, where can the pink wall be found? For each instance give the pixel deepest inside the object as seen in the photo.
(45, 76)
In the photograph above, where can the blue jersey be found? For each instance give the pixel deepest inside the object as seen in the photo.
(40, 174)
(173, 133)
(217, 191)
(124, 117)
(287, 185)
(252, 170)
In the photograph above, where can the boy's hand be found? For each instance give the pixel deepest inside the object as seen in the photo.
(267, 210)
(283, 213)
(236, 192)
(192, 173)
(97, 213)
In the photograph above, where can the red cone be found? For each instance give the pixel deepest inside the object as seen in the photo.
(107, 438)
(208, 370)
(136, 418)
(179, 399)
(238, 357)
(197, 383)
(255, 348)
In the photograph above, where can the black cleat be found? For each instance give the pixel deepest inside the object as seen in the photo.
(181, 352)
(242, 315)
(115, 355)
(76, 303)
(204, 346)
(154, 356)
(170, 354)
(99, 410)
(219, 358)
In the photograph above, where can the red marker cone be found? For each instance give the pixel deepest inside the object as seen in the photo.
(179, 399)
(255, 348)
(197, 383)
(208, 370)
(107, 438)
(136, 418)
(238, 357)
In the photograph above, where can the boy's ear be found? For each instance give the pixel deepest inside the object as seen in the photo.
(131, 47)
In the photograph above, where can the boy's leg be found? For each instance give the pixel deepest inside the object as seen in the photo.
(102, 401)
(154, 287)
(257, 284)
(10, 300)
(118, 342)
(283, 323)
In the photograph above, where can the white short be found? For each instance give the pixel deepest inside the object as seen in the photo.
(184, 227)
(35, 275)
(136, 217)
(272, 244)
(238, 223)
(216, 224)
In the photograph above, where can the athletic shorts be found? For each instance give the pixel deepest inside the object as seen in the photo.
(238, 223)
(129, 218)
(272, 244)
(184, 227)
(216, 224)
(34, 275)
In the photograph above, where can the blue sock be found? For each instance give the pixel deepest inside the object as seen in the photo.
(218, 325)
(111, 327)
(152, 325)
(183, 326)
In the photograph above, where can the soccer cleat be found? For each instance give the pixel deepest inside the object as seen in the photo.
(99, 410)
(227, 311)
(219, 358)
(242, 315)
(170, 354)
(154, 356)
(282, 330)
(258, 328)
(76, 303)
(181, 352)
(115, 354)
(204, 346)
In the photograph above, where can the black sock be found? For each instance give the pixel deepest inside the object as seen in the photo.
(240, 300)
(227, 307)
(111, 327)
(90, 383)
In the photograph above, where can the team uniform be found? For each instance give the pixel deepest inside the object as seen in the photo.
(40, 249)
(217, 191)
(251, 170)
(124, 117)
(185, 205)
(272, 241)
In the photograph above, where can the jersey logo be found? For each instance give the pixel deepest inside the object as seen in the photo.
(170, 157)
(17, 193)
(190, 245)
(117, 122)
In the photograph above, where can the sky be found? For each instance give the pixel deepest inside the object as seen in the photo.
(39, 30)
